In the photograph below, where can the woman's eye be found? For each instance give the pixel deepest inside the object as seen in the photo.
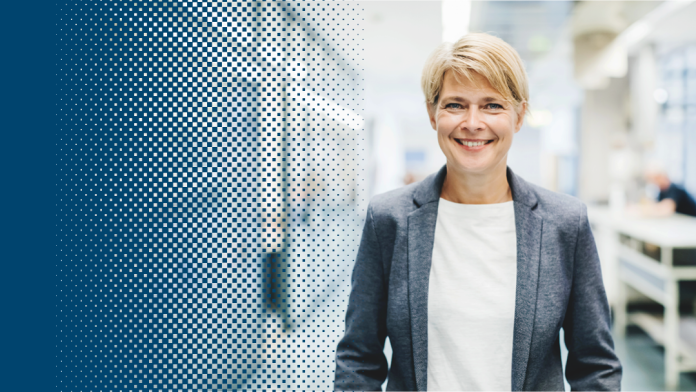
(495, 106)
(453, 106)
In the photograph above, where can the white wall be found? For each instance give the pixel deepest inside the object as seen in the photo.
(399, 36)
(603, 124)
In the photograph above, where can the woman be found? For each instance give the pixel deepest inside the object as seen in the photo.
(472, 272)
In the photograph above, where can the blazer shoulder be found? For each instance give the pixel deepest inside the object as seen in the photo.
(558, 207)
(394, 203)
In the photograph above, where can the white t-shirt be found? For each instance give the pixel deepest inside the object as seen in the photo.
(471, 297)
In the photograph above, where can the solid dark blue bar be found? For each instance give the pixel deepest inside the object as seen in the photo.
(27, 253)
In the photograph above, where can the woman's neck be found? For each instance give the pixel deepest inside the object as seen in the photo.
(479, 188)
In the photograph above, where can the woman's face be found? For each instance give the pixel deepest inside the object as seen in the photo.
(474, 124)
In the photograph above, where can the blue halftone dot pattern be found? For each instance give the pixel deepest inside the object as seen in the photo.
(210, 186)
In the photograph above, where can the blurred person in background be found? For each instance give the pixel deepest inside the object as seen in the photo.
(671, 198)
(472, 272)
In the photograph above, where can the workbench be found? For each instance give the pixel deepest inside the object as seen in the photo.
(656, 275)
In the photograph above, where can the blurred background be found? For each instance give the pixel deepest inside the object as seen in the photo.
(613, 95)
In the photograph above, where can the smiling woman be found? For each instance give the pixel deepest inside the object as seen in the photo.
(476, 95)
(472, 272)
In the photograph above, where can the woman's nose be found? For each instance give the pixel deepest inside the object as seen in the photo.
(472, 121)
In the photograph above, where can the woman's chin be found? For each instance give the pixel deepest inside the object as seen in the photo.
(470, 167)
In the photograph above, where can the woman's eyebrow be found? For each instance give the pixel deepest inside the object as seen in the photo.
(461, 99)
(454, 98)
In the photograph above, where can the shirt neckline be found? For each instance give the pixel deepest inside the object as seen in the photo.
(450, 208)
(503, 204)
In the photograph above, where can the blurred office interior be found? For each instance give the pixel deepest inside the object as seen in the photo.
(613, 91)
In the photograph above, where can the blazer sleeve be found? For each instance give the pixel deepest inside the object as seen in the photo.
(592, 364)
(360, 361)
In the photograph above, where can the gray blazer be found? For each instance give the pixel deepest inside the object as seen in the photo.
(559, 285)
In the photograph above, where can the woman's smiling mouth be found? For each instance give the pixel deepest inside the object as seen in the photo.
(473, 144)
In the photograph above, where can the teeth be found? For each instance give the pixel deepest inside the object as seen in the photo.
(472, 144)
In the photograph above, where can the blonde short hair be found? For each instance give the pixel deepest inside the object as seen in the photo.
(489, 56)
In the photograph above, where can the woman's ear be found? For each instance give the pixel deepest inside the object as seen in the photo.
(432, 109)
(520, 116)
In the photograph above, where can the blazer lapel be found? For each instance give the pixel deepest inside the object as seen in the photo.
(528, 227)
(421, 237)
